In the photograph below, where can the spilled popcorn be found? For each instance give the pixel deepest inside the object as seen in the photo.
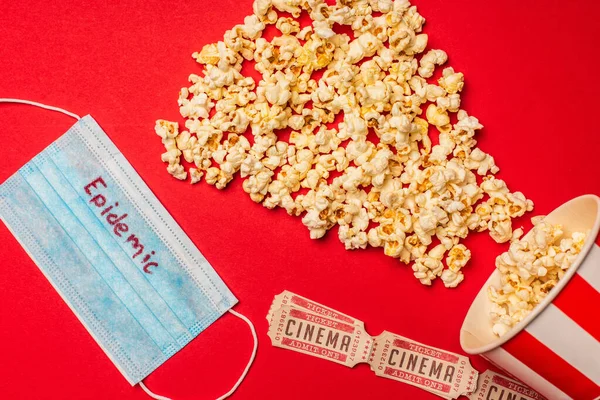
(529, 270)
(374, 170)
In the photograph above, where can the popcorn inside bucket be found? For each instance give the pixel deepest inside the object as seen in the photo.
(561, 232)
(529, 270)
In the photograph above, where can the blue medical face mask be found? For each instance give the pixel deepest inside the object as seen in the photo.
(111, 250)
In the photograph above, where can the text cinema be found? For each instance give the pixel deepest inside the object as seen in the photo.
(412, 362)
(317, 335)
(118, 225)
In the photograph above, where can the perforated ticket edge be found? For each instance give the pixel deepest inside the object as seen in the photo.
(439, 371)
(288, 300)
(491, 383)
(309, 333)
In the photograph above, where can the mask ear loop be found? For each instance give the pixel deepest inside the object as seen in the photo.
(243, 317)
(40, 105)
(241, 378)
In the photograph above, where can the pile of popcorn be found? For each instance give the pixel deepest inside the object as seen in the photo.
(377, 174)
(529, 270)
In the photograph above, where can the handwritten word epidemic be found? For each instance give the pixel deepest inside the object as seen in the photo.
(117, 222)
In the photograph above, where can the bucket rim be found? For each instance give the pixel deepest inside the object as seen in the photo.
(590, 242)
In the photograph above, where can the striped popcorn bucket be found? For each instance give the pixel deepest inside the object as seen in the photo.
(556, 349)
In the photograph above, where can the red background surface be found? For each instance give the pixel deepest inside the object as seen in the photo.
(530, 72)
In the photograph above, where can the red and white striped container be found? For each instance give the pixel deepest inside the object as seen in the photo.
(556, 349)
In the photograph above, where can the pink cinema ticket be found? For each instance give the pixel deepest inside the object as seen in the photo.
(441, 372)
(319, 336)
